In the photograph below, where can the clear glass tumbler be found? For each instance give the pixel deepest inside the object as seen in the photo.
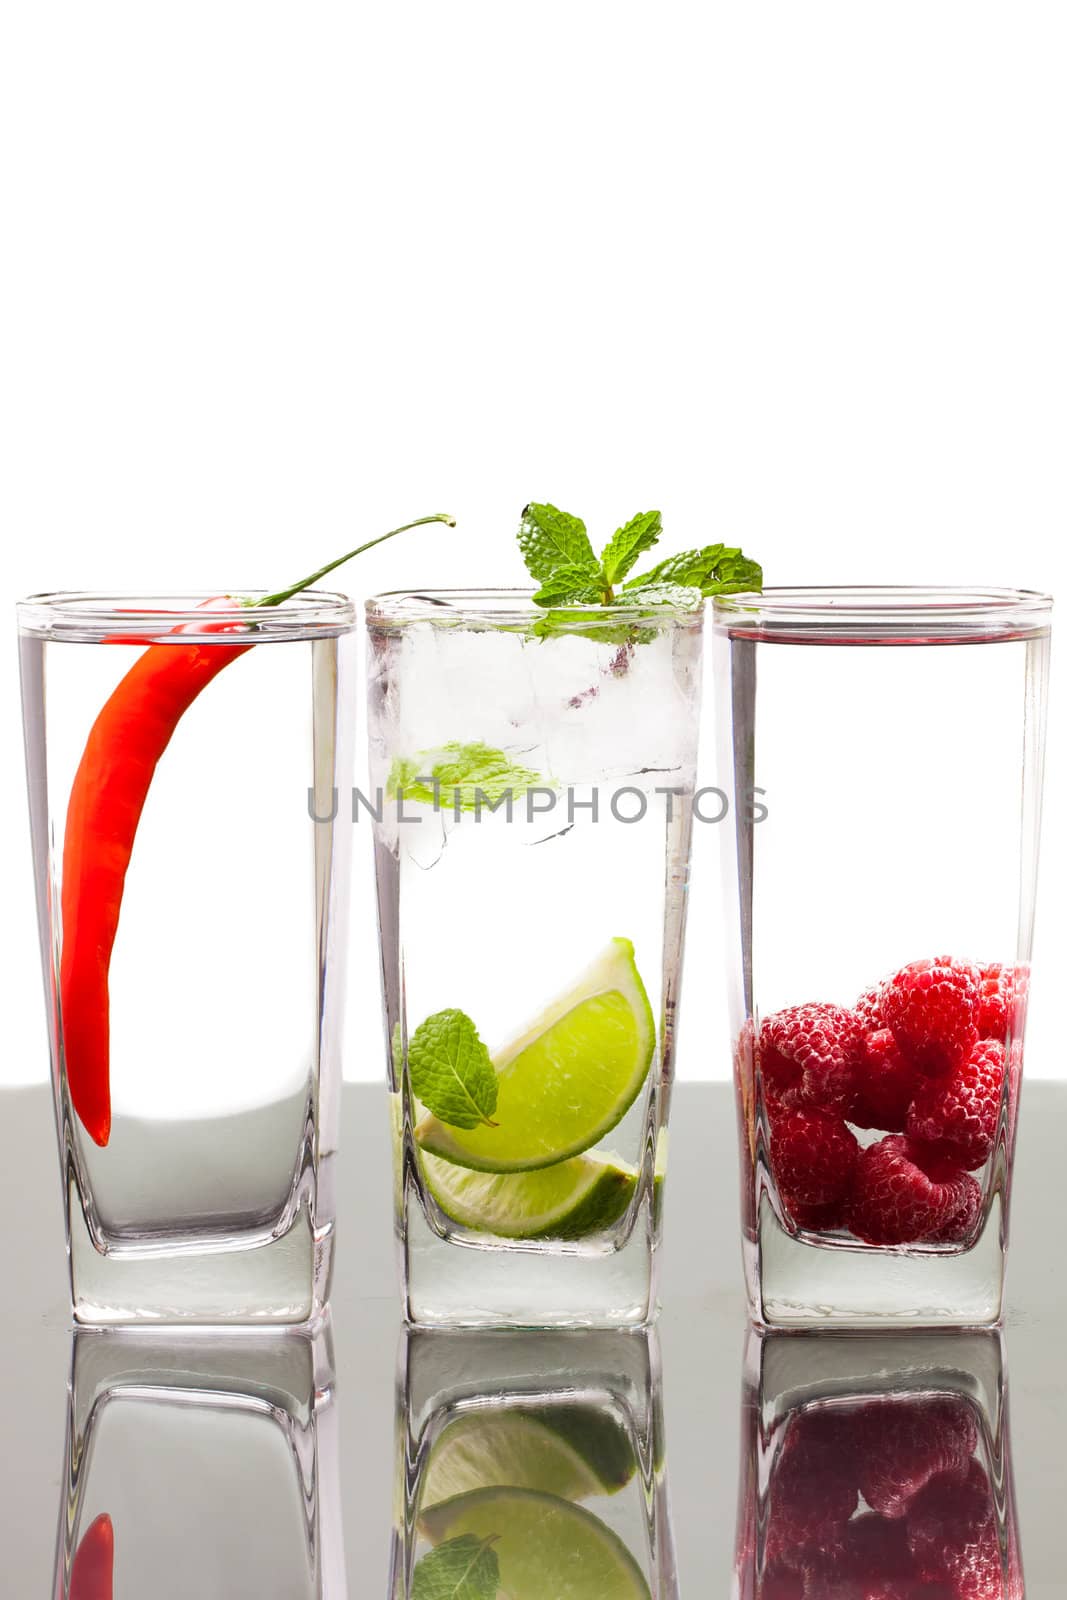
(538, 1460)
(876, 1464)
(191, 892)
(532, 785)
(201, 1465)
(883, 897)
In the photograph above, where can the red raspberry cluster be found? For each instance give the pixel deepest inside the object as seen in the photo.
(920, 1059)
(927, 1522)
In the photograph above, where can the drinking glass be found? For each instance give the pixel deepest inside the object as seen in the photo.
(532, 785)
(882, 893)
(545, 1453)
(203, 1464)
(876, 1464)
(191, 918)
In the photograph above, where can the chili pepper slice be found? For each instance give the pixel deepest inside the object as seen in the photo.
(106, 799)
(93, 1568)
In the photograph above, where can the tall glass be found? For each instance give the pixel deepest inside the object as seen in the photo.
(876, 1465)
(882, 894)
(191, 919)
(545, 1453)
(201, 1465)
(532, 783)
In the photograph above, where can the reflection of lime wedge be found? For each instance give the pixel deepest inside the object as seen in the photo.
(546, 1546)
(572, 1451)
(567, 1201)
(566, 1081)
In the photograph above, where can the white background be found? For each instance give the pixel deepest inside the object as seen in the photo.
(276, 277)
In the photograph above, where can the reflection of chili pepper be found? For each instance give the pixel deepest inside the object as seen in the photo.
(106, 800)
(92, 1572)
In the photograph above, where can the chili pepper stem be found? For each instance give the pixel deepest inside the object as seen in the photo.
(305, 583)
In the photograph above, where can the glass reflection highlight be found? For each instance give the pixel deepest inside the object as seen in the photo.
(531, 1465)
(202, 1464)
(876, 1468)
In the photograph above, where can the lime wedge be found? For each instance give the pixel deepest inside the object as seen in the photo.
(572, 1451)
(545, 1545)
(569, 1200)
(567, 1080)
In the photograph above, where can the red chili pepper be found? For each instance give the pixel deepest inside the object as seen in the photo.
(106, 800)
(93, 1568)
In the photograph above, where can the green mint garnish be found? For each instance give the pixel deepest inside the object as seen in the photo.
(557, 551)
(463, 776)
(629, 542)
(550, 539)
(451, 1072)
(466, 1568)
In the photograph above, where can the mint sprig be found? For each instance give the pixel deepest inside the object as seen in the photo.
(557, 552)
(466, 1568)
(451, 1072)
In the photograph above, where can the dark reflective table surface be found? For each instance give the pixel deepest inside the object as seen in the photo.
(701, 1460)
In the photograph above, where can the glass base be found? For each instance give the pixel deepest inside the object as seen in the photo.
(449, 1285)
(794, 1284)
(282, 1280)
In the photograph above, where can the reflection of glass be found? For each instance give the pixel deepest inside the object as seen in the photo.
(876, 1466)
(201, 1466)
(883, 915)
(190, 912)
(532, 845)
(541, 1457)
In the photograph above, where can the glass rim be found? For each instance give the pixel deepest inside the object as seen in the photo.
(89, 616)
(874, 613)
(511, 608)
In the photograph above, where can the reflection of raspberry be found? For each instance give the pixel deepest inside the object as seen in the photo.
(1000, 1002)
(931, 1006)
(812, 1495)
(813, 1049)
(885, 1085)
(813, 1156)
(959, 1113)
(905, 1440)
(903, 1192)
(952, 1535)
(877, 1563)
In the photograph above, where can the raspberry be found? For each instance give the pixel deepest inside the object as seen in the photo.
(813, 1157)
(931, 1007)
(903, 1192)
(1001, 1000)
(952, 1535)
(868, 1009)
(814, 1049)
(961, 1227)
(905, 1441)
(886, 1084)
(959, 1113)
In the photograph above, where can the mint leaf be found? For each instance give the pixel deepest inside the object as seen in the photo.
(736, 575)
(450, 1070)
(688, 596)
(466, 1568)
(570, 585)
(693, 568)
(463, 775)
(629, 542)
(550, 538)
